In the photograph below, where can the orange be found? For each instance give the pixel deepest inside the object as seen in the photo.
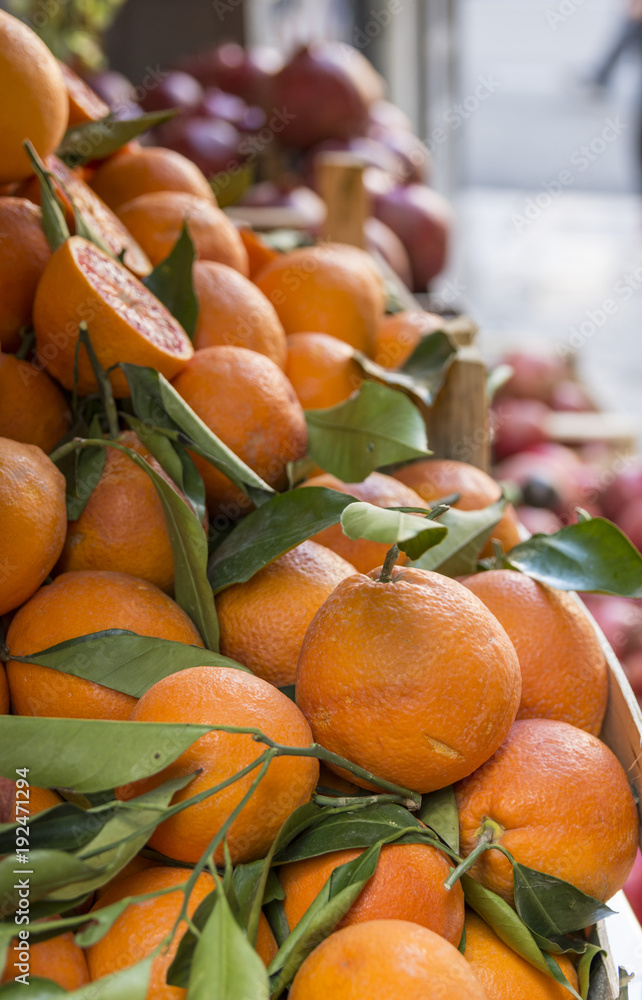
(564, 671)
(34, 105)
(249, 404)
(33, 519)
(394, 959)
(59, 958)
(122, 527)
(39, 799)
(332, 289)
(24, 251)
(399, 334)
(233, 311)
(126, 322)
(258, 252)
(408, 884)
(79, 604)
(504, 974)
(134, 172)
(377, 489)
(84, 103)
(559, 800)
(414, 679)
(322, 369)
(225, 696)
(142, 926)
(263, 621)
(440, 477)
(73, 191)
(156, 220)
(32, 407)
(137, 864)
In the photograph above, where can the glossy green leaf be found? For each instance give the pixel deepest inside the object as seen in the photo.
(171, 281)
(54, 223)
(37, 989)
(125, 661)
(585, 968)
(551, 907)
(90, 755)
(375, 427)
(424, 372)
(65, 826)
(82, 471)
(592, 556)
(439, 812)
(324, 913)
(175, 461)
(468, 532)
(274, 528)
(348, 829)
(179, 970)
(229, 186)
(225, 965)
(155, 401)
(413, 533)
(97, 140)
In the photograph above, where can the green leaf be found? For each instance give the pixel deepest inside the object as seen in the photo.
(375, 427)
(225, 965)
(413, 533)
(504, 921)
(468, 532)
(97, 140)
(129, 984)
(344, 829)
(551, 907)
(104, 385)
(175, 461)
(424, 372)
(590, 556)
(65, 826)
(82, 471)
(324, 913)
(229, 186)
(439, 812)
(53, 214)
(171, 281)
(90, 755)
(39, 989)
(274, 528)
(585, 965)
(125, 661)
(155, 401)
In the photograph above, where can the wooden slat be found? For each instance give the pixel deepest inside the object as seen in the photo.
(458, 423)
(340, 184)
(618, 429)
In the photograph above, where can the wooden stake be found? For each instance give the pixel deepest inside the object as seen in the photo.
(340, 183)
(458, 423)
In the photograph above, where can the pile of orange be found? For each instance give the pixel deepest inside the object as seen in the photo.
(494, 684)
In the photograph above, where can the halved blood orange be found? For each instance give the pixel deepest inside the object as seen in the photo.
(125, 321)
(100, 218)
(84, 103)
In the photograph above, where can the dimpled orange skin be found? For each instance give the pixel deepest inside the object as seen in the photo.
(134, 172)
(249, 404)
(125, 321)
(378, 489)
(504, 974)
(122, 527)
(332, 289)
(399, 334)
(24, 251)
(233, 311)
(225, 696)
(436, 478)
(32, 407)
(35, 104)
(395, 959)
(58, 958)
(142, 926)
(264, 620)
(563, 806)
(78, 604)
(564, 671)
(33, 519)
(411, 679)
(322, 370)
(156, 219)
(408, 884)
